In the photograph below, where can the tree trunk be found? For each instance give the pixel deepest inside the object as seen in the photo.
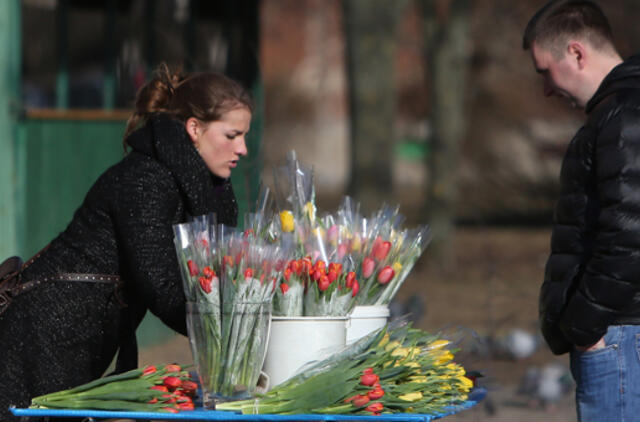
(446, 28)
(370, 37)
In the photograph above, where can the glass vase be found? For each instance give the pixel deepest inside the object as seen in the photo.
(228, 348)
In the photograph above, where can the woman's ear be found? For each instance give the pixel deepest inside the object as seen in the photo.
(192, 125)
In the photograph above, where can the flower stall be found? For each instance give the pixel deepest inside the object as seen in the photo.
(287, 317)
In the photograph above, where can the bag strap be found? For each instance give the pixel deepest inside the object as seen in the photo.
(10, 267)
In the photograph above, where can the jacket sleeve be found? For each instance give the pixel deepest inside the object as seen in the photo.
(568, 240)
(144, 219)
(611, 276)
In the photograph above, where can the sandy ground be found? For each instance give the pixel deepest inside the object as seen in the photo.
(491, 289)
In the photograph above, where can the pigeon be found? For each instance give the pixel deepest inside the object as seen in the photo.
(546, 385)
(519, 344)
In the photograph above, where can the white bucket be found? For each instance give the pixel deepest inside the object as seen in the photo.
(365, 319)
(296, 341)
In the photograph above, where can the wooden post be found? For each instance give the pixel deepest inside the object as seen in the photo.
(370, 27)
(447, 51)
(242, 24)
(190, 37)
(62, 79)
(150, 41)
(109, 81)
(10, 59)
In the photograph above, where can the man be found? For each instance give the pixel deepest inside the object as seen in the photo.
(590, 298)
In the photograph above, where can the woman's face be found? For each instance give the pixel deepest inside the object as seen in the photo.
(221, 143)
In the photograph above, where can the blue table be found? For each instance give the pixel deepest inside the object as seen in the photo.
(214, 415)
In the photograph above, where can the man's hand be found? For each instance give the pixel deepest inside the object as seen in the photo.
(599, 345)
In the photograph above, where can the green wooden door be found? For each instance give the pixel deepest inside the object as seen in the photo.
(60, 158)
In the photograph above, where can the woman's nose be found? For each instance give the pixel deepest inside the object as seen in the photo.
(241, 148)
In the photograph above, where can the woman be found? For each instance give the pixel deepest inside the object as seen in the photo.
(80, 300)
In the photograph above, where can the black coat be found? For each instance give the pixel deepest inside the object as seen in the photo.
(592, 278)
(60, 333)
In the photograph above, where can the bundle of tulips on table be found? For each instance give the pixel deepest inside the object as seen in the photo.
(167, 388)
(393, 370)
(400, 370)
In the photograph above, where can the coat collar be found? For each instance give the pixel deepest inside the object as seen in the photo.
(166, 140)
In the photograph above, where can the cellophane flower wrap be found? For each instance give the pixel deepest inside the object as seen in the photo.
(393, 370)
(381, 252)
(374, 254)
(294, 221)
(229, 281)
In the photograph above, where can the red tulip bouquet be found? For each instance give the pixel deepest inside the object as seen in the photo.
(382, 253)
(294, 225)
(167, 388)
(376, 254)
(229, 285)
(313, 288)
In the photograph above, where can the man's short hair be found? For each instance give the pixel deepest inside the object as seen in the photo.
(559, 20)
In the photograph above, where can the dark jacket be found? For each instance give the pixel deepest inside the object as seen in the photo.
(61, 333)
(592, 278)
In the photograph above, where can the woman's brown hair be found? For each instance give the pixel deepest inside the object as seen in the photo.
(205, 96)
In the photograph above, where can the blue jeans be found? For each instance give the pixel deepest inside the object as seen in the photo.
(608, 379)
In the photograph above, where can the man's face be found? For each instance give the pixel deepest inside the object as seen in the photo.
(560, 76)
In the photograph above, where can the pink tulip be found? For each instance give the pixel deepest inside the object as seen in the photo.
(342, 250)
(368, 266)
(385, 275)
(332, 233)
(381, 250)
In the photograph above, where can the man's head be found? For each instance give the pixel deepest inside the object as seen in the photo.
(571, 45)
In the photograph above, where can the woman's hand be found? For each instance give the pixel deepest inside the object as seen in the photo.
(599, 345)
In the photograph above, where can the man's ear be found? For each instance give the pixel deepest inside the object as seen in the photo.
(192, 126)
(577, 52)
